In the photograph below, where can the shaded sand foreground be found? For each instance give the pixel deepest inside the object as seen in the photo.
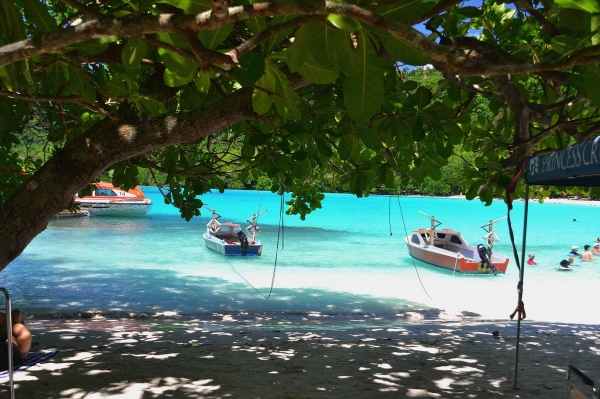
(134, 359)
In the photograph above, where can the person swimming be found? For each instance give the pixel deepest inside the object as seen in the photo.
(564, 265)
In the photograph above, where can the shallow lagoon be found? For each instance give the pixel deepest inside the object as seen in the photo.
(340, 265)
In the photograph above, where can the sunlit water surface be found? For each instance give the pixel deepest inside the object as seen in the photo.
(346, 263)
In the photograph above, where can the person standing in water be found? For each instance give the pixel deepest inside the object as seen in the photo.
(586, 255)
(531, 260)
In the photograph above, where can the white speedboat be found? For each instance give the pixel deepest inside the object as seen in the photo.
(108, 200)
(228, 239)
(446, 248)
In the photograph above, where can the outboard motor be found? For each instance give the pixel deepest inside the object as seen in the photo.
(243, 242)
(485, 258)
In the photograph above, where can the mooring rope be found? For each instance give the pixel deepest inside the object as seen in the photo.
(407, 245)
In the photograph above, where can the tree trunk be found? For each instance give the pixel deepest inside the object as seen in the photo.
(53, 187)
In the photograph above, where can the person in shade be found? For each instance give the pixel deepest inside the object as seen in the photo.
(531, 260)
(574, 250)
(21, 340)
(564, 265)
(596, 250)
(587, 255)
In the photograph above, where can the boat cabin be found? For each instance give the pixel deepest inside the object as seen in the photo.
(227, 229)
(446, 239)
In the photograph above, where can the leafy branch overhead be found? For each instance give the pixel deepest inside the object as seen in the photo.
(199, 92)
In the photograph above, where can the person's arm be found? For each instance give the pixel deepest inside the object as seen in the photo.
(22, 337)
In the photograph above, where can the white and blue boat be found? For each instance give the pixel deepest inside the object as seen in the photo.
(228, 239)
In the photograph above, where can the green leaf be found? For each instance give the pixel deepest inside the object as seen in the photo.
(172, 79)
(407, 10)
(563, 44)
(133, 52)
(55, 78)
(89, 47)
(472, 191)
(296, 56)
(454, 92)
(404, 51)
(363, 92)
(178, 64)
(89, 93)
(12, 28)
(299, 155)
(595, 27)
(202, 82)
(418, 133)
(592, 83)
(322, 146)
(590, 6)
(454, 132)
(445, 151)
(370, 140)
(343, 22)
(275, 40)
(262, 101)
(37, 13)
(301, 169)
(154, 107)
(288, 105)
(409, 85)
(252, 67)
(256, 24)
(116, 87)
(259, 139)
(422, 97)
(76, 81)
(322, 42)
(213, 38)
(190, 6)
(317, 73)
(9, 77)
(469, 12)
(348, 59)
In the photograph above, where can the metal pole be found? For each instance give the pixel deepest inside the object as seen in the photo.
(9, 343)
(520, 285)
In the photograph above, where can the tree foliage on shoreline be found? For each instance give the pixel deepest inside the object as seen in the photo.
(306, 90)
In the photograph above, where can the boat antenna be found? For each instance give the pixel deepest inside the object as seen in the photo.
(408, 246)
(491, 238)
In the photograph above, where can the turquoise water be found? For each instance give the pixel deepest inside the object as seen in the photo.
(341, 264)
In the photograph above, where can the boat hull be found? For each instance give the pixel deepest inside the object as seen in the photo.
(119, 209)
(231, 248)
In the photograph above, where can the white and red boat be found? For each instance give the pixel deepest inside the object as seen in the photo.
(447, 249)
(228, 239)
(108, 200)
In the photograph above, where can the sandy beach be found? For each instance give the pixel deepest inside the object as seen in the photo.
(568, 201)
(149, 359)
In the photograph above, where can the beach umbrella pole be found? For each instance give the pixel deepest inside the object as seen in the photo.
(520, 286)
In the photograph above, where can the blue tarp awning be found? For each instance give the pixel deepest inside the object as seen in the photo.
(577, 165)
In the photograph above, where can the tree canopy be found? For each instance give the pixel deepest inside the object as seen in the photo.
(197, 91)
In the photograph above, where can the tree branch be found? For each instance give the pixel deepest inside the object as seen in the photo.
(84, 9)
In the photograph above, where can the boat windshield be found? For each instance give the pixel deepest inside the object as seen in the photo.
(106, 192)
(455, 240)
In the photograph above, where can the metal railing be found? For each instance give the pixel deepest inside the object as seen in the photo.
(9, 343)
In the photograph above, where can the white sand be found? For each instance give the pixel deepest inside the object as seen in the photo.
(571, 202)
(134, 359)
